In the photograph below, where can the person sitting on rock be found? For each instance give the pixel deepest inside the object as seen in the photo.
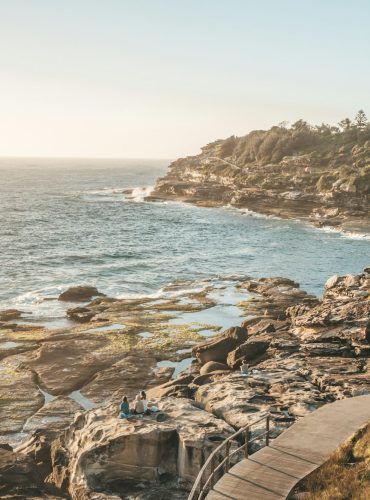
(124, 408)
(138, 406)
(145, 402)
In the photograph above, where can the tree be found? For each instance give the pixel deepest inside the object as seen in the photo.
(361, 120)
(284, 124)
(345, 124)
(324, 129)
(301, 125)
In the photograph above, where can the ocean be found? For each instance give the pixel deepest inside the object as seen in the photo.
(69, 222)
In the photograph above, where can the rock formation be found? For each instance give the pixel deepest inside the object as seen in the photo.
(79, 293)
(302, 352)
(321, 176)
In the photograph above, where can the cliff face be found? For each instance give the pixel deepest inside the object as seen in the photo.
(320, 174)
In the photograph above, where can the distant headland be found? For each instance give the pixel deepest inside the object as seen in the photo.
(320, 174)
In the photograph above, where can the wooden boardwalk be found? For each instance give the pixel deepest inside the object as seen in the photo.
(272, 472)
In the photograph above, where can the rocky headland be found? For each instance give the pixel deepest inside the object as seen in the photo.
(60, 388)
(320, 175)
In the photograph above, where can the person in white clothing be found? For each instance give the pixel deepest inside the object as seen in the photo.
(145, 402)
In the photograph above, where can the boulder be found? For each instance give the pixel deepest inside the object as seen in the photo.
(177, 387)
(332, 282)
(79, 293)
(217, 348)
(212, 366)
(249, 351)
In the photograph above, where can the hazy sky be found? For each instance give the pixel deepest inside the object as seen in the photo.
(160, 78)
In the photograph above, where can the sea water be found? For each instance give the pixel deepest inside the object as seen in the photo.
(69, 222)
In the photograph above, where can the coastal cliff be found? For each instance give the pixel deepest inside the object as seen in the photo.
(320, 174)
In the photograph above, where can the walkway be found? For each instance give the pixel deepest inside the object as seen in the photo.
(272, 472)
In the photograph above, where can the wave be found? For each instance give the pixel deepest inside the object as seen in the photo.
(108, 194)
(139, 194)
(251, 213)
(345, 234)
(326, 229)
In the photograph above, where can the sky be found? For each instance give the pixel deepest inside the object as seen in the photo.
(161, 78)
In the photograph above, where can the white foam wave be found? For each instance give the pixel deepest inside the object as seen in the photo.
(345, 234)
(109, 194)
(140, 193)
(251, 213)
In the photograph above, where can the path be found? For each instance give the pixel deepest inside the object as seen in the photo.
(272, 472)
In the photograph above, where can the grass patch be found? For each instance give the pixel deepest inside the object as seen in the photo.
(345, 476)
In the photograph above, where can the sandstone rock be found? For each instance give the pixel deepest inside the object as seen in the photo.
(81, 314)
(212, 366)
(249, 351)
(102, 453)
(301, 409)
(265, 326)
(19, 476)
(134, 372)
(10, 314)
(80, 293)
(65, 366)
(54, 415)
(20, 397)
(351, 280)
(177, 387)
(217, 348)
(332, 282)
(317, 352)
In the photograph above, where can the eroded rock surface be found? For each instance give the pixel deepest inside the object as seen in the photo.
(302, 353)
(102, 453)
(218, 348)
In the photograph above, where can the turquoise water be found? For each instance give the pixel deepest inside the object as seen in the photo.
(66, 222)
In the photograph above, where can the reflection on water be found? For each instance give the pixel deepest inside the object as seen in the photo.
(9, 345)
(220, 315)
(178, 365)
(106, 328)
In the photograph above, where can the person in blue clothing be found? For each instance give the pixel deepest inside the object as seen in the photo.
(124, 408)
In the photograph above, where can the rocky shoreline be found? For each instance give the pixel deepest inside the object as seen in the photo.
(322, 180)
(303, 352)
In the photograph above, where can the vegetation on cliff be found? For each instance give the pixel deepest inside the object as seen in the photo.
(264, 146)
(336, 154)
(320, 173)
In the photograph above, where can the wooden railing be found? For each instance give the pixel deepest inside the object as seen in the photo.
(204, 484)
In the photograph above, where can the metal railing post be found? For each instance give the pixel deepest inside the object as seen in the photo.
(212, 472)
(218, 466)
(246, 441)
(227, 463)
(200, 496)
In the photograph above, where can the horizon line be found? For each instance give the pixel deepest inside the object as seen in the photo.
(42, 157)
